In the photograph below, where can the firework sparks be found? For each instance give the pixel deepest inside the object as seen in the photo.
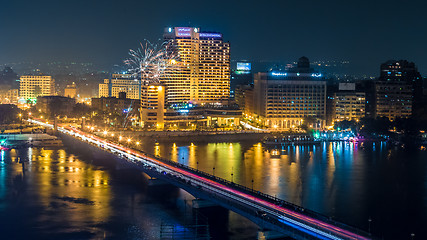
(151, 62)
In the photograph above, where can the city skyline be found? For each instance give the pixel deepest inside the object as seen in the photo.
(213, 120)
(366, 35)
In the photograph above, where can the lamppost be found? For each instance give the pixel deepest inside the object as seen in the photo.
(252, 181)
(232, 174)
(213, 171)
(369, 226)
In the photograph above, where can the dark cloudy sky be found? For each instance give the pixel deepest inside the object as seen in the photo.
(366, 33)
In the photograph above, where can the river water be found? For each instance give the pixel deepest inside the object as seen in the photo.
(57, 193)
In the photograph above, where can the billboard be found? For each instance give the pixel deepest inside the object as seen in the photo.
(243, 66)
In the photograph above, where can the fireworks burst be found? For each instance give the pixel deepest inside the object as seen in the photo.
(152, 61)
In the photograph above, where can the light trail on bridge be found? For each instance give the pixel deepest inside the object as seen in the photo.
(310, 225)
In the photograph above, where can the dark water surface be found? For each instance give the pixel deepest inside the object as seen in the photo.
(59, 194)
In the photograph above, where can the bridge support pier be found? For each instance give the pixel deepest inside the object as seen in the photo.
(268, 234)
(201, 203)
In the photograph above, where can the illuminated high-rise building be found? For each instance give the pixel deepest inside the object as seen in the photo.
(398, 90)
(283, 100)
(118, 83)
(33, 86)
(202, 74)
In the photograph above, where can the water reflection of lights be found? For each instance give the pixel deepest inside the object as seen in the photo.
(2, 156)
(275, 153)
(157, 150)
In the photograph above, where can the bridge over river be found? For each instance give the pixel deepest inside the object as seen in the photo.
(266, 211)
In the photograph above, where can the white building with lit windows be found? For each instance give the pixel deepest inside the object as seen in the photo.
(282, 100)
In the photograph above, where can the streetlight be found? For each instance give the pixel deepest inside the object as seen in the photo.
(137, 143)
(105, 132)
(128, 140)
(369, 226)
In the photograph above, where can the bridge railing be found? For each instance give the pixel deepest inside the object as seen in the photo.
(261, 195)
(258, 194)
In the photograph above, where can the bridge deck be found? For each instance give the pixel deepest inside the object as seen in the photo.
(277, 211)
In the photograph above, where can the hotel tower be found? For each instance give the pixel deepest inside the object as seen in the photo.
(202, 74)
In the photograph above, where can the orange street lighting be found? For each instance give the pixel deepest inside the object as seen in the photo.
(128, 139)
(120, 138)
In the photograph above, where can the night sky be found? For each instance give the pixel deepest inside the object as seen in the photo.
(366, 33)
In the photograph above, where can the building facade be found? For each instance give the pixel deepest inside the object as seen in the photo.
(348, 104)
(120, 83)
(202, 74)
(71, 91)
(55, 105)
(153, 106)
(241, 75)
(282, 100)
(203, 117)
(120, 111)
(393, 99)
(33, 86)
(398, 89)
(8, 95)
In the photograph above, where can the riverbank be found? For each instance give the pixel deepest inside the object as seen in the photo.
(193, 136)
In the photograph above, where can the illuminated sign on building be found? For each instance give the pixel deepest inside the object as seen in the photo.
(279, 74)
(183, 32)
(210, 35)
(243, 66)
